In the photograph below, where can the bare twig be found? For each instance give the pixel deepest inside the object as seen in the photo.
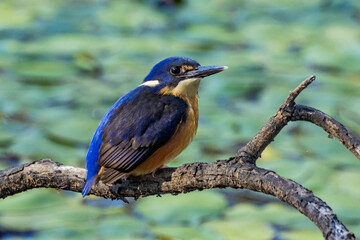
(298, 90)
(253, 149)
(330, 125)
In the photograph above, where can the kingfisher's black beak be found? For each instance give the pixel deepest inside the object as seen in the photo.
(204, 71)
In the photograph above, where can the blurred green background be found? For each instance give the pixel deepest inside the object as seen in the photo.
(64, 63)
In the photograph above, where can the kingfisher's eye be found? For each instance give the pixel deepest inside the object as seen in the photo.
(175, 70)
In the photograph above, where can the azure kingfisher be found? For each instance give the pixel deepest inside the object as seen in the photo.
(150, 125)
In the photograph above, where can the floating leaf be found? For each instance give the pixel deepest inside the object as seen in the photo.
(191, 207)
(301, 234)
(241, 229)
(178, 232)
(71, 131)
(44, 73)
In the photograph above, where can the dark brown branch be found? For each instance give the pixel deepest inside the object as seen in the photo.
(330, 125)
(238, 172)
(186, 178)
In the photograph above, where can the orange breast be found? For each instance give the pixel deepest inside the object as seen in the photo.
(181, 139)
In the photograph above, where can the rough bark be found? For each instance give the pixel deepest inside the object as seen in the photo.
(237, 172)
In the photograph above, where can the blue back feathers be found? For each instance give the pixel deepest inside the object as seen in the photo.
(143, 119)
(92, 164)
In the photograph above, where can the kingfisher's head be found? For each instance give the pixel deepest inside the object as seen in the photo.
(179, 76)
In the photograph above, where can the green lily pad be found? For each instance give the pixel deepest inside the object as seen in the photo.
(10, 17)
(71, 131)
(5, 138)
(347, 181)
(44, 73)
(30, 211)
(119, 14)
(273, 213)
(33, 144)
(64, 44)
(342, 204)
(301, 234)
(241, 229)
(115, 226)
(191, 207)
(179, 232)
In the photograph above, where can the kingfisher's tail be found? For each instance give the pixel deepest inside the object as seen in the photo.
(90, 182)
(88, 185)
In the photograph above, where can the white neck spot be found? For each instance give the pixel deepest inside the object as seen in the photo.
(151, 83)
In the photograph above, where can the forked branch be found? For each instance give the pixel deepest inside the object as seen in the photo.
(237, 172)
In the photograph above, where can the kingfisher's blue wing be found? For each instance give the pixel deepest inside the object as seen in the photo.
(137, 128)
